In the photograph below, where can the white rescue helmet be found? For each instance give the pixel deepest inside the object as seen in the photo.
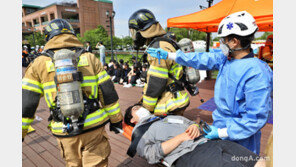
(239, 23)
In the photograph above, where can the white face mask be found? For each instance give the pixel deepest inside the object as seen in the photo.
(142, 113)
(225, 49)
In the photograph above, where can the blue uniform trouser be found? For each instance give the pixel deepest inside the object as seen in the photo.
(252, 143)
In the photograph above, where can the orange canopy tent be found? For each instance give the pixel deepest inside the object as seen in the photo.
(208, 20)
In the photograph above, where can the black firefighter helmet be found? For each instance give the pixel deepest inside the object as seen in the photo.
(141, 20)
(57, 27)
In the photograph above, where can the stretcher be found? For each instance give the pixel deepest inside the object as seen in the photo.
(127, 130)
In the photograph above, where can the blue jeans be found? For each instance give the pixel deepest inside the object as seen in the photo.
(102, 59)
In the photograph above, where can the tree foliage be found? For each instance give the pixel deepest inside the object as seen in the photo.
(188, 33)
(127, 41)
(94, 36)
(100, 34)
(216, 39)
(38, 38)
(264, 36)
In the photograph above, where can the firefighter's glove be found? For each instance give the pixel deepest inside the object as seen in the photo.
(158, 53)
(114, 126)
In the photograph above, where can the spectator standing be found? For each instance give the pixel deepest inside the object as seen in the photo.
(102, 51)
(25, 55)
(88, 47)
(266, 52)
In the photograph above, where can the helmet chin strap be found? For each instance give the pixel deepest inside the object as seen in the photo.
(231, 51)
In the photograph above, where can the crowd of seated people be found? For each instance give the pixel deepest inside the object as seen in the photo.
(121, 72)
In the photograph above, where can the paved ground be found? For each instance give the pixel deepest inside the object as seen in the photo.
(40, 148)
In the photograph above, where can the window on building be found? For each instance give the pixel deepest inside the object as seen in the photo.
(29, 24)
(52, 16)
(30, 10)
(71, 17)
(77, 30)
(44, 20)
(36, 22)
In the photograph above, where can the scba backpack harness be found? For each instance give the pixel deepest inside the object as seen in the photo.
(185, 81)
(72, 106)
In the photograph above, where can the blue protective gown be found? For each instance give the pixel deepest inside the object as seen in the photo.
(243, 91)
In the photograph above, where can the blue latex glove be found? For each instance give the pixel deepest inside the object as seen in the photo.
(158, 53)
(213, 134)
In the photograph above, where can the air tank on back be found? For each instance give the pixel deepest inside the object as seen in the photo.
(192, 74)
(69, 91)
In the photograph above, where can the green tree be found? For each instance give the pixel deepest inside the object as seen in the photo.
(100, 34)
(216, 39)
(264, 36)
(117, 43)
(38, 37)
(127, 41)
(188, 33)
(94, 36)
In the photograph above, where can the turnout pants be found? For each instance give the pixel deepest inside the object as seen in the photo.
(87, 149)
(218, 153)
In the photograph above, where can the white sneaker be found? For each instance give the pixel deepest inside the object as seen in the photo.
(140, 85)
(138, 81)
(127, 86)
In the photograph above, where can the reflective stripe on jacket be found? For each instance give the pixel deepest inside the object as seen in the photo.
(39, 81)
(156, 98)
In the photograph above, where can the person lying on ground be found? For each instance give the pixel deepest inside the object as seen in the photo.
(175, 140)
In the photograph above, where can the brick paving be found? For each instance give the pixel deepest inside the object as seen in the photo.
(40, 147)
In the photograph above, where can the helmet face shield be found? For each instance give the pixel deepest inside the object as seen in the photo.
(138, 39)
(133, 33)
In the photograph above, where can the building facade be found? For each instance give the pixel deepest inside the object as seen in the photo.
(83, 15)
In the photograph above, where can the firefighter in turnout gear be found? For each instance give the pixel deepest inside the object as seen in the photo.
(72, 81)
(161, 94)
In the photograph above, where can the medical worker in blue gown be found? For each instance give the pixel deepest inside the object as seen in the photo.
(243, 86)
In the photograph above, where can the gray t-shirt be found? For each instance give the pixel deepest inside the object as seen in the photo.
(149, 146)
